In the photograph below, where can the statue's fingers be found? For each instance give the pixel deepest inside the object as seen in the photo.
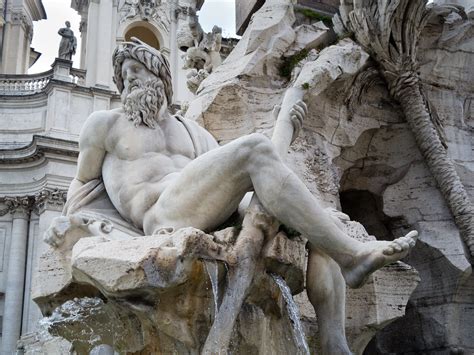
(276, 110)
(299, 109)
(297, 116)
(296, 123)
(302, 104)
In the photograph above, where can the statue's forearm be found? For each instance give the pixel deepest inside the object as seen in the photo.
(75, 185)
(284, 129)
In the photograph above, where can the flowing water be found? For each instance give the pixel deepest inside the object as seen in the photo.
(213, 272)
(294, 314)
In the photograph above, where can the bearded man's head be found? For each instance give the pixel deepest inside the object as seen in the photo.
(143, 100)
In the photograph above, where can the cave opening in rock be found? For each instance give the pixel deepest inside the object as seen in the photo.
(366, 208)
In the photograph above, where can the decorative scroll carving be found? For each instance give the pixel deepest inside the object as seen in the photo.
(19, 18)
(18, 205)
(49, 198)
(83, 26)
(181, 12)
(146, 9)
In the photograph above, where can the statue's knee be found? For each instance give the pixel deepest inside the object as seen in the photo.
(260, 144)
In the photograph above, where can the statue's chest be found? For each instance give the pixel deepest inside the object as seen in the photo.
(138, 143)
(135, 143)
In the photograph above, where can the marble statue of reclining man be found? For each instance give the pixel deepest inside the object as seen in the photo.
(163, 171)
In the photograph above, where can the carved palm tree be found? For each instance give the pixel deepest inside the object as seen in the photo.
(389, 30)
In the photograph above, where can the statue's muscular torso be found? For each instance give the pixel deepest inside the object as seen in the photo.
(136, 163)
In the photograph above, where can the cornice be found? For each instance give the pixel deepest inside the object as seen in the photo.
(78, 88)
(39, 148)
(36, 10)
(81, 6)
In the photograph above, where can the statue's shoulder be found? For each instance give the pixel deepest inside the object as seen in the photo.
(99, 124)
(104, 117)
(203, 141)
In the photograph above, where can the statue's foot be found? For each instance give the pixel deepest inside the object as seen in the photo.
(375, 255)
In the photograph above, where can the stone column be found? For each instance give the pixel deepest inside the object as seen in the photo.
(20, 208)
(105, 45)
(49, 203)
(92, 39)
(99, 47)
(16, 42)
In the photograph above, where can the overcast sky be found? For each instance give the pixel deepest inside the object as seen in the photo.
(46, 39)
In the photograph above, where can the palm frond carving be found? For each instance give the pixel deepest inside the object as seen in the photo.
(389, 30)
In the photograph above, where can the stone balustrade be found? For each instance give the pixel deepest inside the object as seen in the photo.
(28, 84)
(78, 76)
(24, 84)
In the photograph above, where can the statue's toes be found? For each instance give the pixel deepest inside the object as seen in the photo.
(389, 250)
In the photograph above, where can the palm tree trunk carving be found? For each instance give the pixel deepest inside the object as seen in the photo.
(389, 30)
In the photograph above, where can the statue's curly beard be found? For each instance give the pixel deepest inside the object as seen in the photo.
(143, 102)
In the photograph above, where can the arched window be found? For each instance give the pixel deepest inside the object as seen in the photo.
(144, 34)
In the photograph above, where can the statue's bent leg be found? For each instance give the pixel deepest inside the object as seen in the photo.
(209, 189)
(326, 291)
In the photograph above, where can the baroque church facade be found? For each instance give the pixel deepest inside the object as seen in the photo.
(41, 116)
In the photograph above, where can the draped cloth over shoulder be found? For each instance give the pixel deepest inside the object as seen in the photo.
(92, 199)
(200, 146)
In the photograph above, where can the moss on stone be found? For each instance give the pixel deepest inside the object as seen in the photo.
(289, 63)
(313, 15)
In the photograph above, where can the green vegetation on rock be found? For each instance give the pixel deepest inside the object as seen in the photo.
(313, 15)
(289, 63)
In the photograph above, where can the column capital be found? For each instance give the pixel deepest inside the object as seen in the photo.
(18, 206)
(49, 199)
(83, 25)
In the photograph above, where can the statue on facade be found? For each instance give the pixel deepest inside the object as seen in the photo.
(68, 44)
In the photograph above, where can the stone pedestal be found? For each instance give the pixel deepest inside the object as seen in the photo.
(62, 69)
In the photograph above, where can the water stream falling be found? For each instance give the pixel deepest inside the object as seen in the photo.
(213, 272)
(293, 312)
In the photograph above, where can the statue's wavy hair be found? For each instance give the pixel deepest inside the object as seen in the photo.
(150, 57)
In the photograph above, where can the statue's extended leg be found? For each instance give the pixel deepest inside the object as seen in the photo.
(327, 293)
(209, 189)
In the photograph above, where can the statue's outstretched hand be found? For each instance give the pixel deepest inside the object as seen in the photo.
(297, 115)
(62, 226)
(56, 233)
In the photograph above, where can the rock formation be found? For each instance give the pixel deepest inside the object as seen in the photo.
(355, 151)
